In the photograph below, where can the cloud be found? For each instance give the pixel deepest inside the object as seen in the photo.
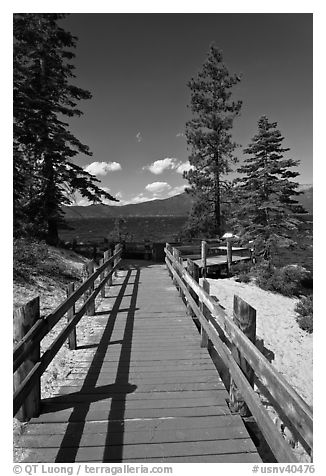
(82, 202)
(159, 166)
(117, 195)
(139, 137)
(183, 167)
(177, 190)
(102, 168)
(171, 163)
(158, 188)
(140, 198)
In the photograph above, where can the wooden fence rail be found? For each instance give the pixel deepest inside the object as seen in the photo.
(29, 369)
(224, 335)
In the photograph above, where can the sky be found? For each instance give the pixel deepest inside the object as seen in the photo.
(137, 67)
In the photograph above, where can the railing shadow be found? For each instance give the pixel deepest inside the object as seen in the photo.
(117, 391)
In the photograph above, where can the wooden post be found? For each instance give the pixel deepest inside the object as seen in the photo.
(24, 318)
(72, 338)
(176, 255)
(107, 256)
(116, 249)
(102, 276)
(169, 248)
(204, 256)
(180, 261)
(229, 255)
(147, 245)
(244, 317)
(193, 270)
(91, 307)
(206, 312)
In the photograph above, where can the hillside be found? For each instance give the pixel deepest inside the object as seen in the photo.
(306, 199)
(179, 205)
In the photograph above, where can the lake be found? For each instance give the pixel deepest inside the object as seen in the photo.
(160, 228)
(167, 228)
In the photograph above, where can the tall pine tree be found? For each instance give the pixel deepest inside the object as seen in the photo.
(209, 137)
(44, 147)
(266, 209)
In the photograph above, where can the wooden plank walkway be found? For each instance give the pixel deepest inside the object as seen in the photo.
(143, 389)
(214, 263)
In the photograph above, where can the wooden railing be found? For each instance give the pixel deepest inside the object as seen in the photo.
(208, 248)
(30, 329)
(238, 353)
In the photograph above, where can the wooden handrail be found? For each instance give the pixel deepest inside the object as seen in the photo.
(42, 327)
(296, 410)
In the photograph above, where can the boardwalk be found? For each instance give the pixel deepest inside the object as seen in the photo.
(142, 389)
(214, 263)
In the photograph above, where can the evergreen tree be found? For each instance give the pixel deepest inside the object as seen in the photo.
(44, 147)
(265, 208)
(209, 137)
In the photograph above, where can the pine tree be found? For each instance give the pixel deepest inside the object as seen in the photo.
(266, 209)
(209, 137)
(44, 147)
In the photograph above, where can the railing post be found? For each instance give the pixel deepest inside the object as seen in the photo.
(176, 255)
(91, 307)
(229, 255)
(147, 254)
(206, 313)
(107, 256)
(102, 276)
(180, 289)
(204, 256)
(24, 318)
(116, 249)
(72, 338)
(244, 317)
(169, 248)
(193, 270)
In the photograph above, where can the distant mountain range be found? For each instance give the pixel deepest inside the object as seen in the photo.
(179, 205)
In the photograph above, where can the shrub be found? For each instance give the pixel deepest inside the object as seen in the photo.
(304, 308)
(27, 255)
(242, 267)
(241, 271)
(287, 280)
(243, 278)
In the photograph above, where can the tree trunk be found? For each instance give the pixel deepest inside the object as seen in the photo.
(217, 207)
(50, 206)
(52, 233)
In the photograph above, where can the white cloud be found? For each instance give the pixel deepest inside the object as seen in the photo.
(177, 190)
(117, 195)
(184, 167)
(82, 202)
(102, 168)
(140, 198)
(139, 137)
(158, 188)
(106, 189)
(159, 166)
(171, 163)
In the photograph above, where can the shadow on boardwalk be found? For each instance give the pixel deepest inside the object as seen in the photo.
(146, 391)
(117, 391)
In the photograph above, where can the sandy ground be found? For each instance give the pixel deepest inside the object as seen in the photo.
(276, 325)
(288, 348)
